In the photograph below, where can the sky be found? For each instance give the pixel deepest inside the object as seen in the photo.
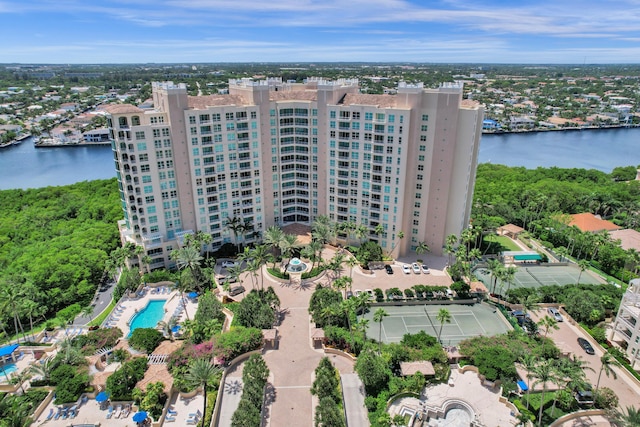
(456, 31)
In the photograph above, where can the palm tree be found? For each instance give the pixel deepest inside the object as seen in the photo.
(528, 362)
(562, 252)
(236, 225)
(32, 308)
(10, 298)
(261, 256)
(399, 236)
(547, 323)
(630, 419)
(273, 237)
(443, 316)
(494, 266)
(529, 303)
(189, 257)
(201, 373)
(351, 262)
(335, 264)
(342, 283)
(315, 247)
(449, 246)
(422, 248)
(583, 264)
(379, 316)
(361, 232)
(43, 368)
(167, 327)
(88, 312)
(288, 244)
(543, 372)
(509, 276)
(607, 362)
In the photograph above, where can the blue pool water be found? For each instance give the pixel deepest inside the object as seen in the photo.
(149, 316)
(7, 370)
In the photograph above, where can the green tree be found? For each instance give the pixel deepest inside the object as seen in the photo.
(583, 264)
(422, 248)
(547, 323)
(202, 373)
(328, 414)
(443, 316)
(607, 364)
(544, 372)
(629, 418)
(378, 316)
(373, 372)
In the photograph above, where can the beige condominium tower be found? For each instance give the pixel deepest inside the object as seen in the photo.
(275, 153)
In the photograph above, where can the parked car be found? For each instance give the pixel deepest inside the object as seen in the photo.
(228, 264)
(555, 314)
(406, 268)
(388, 268)
(349, 294)
(372, 295)
(357, 292)
(425, 269)
(236, 290)
(583, 395)
(586, 346)
(415, 267)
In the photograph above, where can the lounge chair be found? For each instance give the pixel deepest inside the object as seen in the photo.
(169, 411)
(50, 415)
(73, 413)
(110, 412)
(192, 421)
(196, 414)
(169, 419)
(125, 411)
(65, 413)
(118, 411)
(58, 414)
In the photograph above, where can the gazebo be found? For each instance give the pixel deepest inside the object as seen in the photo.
(6, 353)
(410, 368)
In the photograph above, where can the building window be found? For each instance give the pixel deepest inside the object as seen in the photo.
(425, 117)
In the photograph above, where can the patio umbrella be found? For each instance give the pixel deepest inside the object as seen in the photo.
(176, 328)
(102, 397)
(192, 295)
(139, 417)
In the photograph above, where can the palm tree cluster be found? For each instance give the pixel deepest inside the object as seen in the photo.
(565, 373)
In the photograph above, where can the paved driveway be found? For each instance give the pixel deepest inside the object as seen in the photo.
(567, 337)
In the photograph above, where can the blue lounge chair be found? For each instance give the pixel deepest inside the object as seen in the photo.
(109, 412)
(58, 414)
(172, 411)
(51, 413)
(169, 419)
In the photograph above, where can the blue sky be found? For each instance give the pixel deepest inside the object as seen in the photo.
(487, 31)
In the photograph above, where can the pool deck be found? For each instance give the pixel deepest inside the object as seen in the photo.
(128, 308)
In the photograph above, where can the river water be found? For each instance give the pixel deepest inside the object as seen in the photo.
(24, 166)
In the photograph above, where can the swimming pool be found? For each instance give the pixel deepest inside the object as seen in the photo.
(7, 370)
(149, 316)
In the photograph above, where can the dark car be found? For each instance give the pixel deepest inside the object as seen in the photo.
(236, 290)
(584, 395)
(586, 346)
(389, 269)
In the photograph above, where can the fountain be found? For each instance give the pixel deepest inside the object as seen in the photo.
(296, 266)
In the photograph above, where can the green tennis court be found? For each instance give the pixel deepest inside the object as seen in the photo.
(466, 321)
(533, 276)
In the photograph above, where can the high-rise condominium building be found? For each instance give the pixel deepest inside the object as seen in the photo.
(273, 153)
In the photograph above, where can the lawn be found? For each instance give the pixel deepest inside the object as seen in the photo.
(497, 244)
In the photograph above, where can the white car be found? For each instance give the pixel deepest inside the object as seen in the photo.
(425, 269)
(228, 264)
(556, 314)
(406, 268)
(415, 267)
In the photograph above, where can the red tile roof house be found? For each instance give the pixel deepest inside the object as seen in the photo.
(591, 223)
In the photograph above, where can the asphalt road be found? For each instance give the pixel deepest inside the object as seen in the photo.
(100, 302)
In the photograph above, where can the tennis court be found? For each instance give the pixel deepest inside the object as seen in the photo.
(466, 321)
(534, 276)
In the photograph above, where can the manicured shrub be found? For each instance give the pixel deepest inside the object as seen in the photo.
(146, 339)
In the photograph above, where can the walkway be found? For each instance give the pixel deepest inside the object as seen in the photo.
(353, 392)
(293, 361)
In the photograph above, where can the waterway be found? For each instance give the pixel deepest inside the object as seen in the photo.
(24, 166)
(602, 149)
